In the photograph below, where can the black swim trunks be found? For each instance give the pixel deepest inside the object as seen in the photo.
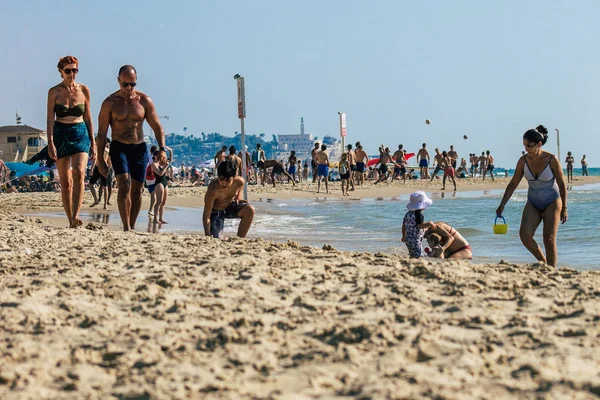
(260, 164)
(217, 217)
(97, 176)
(383, 169)
(129, 159)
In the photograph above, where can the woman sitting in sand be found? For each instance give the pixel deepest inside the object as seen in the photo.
(447, 242)
(546, 197)
(70, 135)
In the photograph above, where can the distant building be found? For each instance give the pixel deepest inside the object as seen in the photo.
(303, 144)
(20, 142)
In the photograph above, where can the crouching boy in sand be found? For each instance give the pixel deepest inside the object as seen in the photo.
(223, 200)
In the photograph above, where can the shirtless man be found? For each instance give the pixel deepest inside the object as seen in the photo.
(400, 157)
(362, 159)
(474, 161)
(278, 169)
(453, 156)
(490, 165)
(423, 158)
(220, 156)
(323, 168)
(292, 160)
(385, 159)
(248, 164)
(449, 171)
(482, 163)
(437, 160)
(223, 199)
(259, 156)
(313, 154)
(352, 161)
(236, 160)
(124, 112)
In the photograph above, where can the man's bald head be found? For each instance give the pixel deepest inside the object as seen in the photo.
(127, 70)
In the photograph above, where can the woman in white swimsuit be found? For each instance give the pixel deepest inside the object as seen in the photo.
(546, 197)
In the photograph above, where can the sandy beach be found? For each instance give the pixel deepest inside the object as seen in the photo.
(98, 313)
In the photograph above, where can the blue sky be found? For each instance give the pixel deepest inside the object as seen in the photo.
(487, 69)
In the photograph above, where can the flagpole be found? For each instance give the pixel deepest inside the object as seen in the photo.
(241, 92)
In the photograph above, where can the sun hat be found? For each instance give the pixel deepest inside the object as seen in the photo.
(418, 201)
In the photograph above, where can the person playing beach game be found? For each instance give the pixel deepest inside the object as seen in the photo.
(446, 242)
(70, 136)
(384, 159)
(448, 170)
(546, 197)
(277, 169)
(400, 157)
(482, 163)
(437, 160)
(124, 112)
(362, 159)
(453, 154)
(223, 200)
(323, 168)
(489, 161)
(423, 158)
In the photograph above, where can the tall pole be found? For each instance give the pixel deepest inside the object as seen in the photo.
(241, 115)
(558, 144)
(342, 129)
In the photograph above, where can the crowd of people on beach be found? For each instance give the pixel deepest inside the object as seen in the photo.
(126, 161)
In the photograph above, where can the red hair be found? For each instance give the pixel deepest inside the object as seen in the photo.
(66, 61)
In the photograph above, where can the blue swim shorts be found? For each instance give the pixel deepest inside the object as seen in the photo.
(129, 159)
(323, 170)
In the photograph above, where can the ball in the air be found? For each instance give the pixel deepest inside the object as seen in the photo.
(427, 121)
(465, 137)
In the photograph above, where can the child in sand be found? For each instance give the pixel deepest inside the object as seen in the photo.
(344, 170)
(412, 225)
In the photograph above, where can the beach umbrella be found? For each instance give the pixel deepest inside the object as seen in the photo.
(208, 164)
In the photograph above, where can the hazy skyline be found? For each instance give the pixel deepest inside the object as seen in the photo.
(489, 70)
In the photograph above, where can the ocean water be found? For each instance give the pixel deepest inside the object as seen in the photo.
(375, 225)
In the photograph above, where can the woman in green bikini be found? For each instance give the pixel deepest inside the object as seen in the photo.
(70, 135)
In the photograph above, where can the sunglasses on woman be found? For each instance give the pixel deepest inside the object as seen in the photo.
(68, 71)
(530, 145)
(125, 84)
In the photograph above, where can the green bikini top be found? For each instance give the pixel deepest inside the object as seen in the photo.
(64, 111)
